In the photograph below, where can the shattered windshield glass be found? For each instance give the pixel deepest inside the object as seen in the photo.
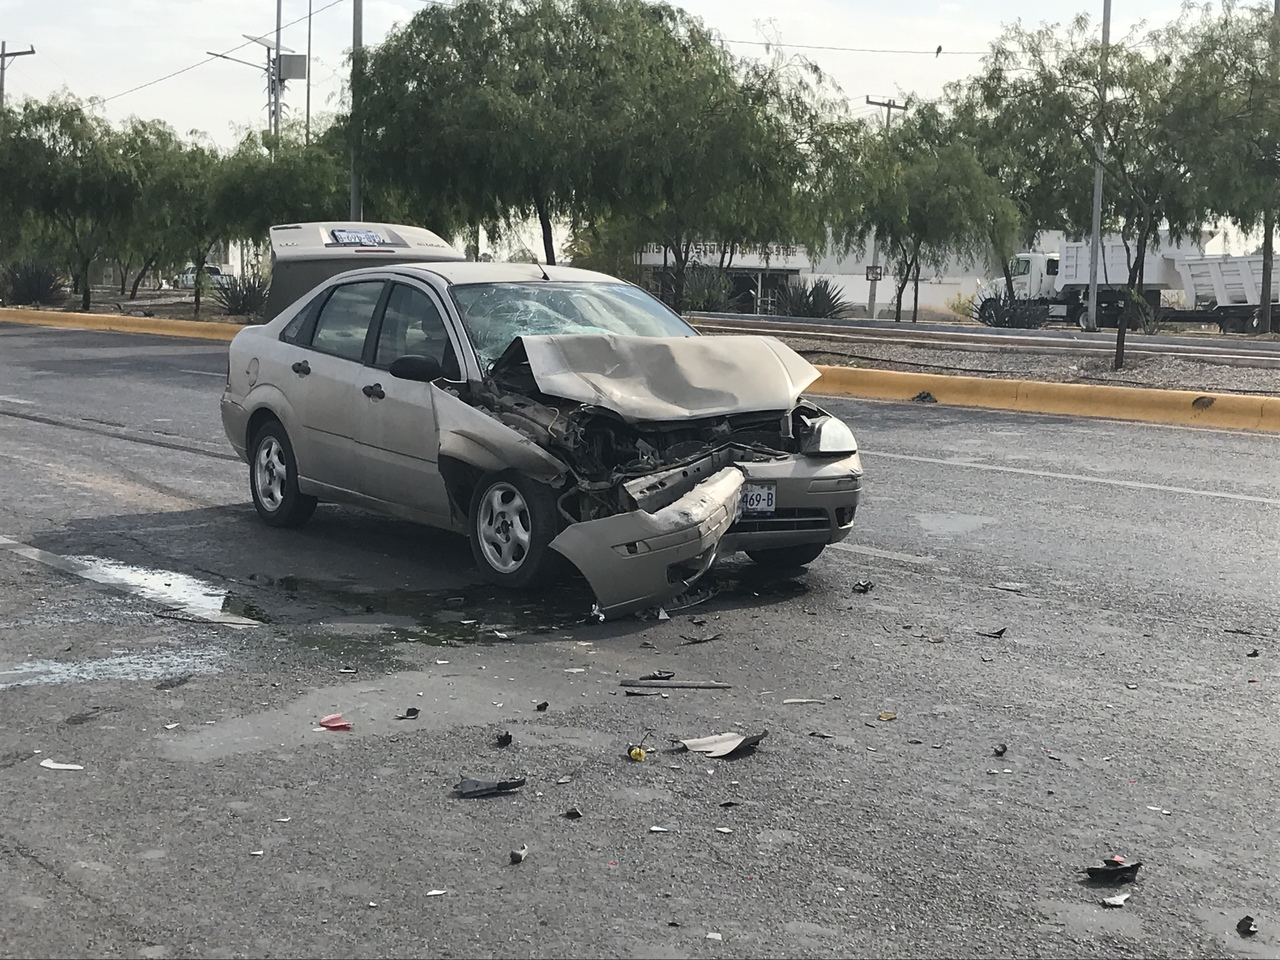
(496, 313)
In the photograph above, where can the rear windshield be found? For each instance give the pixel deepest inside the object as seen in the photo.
(496, 313)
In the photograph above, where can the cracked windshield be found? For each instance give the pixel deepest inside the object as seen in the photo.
(496, 313)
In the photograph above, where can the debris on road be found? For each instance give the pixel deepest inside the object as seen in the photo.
(729, 803)
(346, 669)
(915, 741)
(1000, 749)
(636, 753)
(643, 693)
(484, 788)
(698, 621)
(724, 829)
(993, 634)
(887, 715)
(256, 853)
(679, 684)
(1010, 586)
(55, 765)
(987, 659)
(283, 819)
(663, 615)
(659, 675)
(1254, 654)
(822, 735)
(503, 739)
(687, 640)
(517, 856)
(542, 707)
(1116, 901)
(1131, 686)
(334, 721)
(1247, 926)
(714, 936)
(1114, 870)
(410, 714)
(724, 744)
(802, 700)
(924, 396)
(170, 726)
(435, 893)
(573, 813)
(576, 670)
(656, 829)
(863, 586)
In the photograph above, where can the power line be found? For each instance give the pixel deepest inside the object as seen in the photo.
(814, 46)
(210, 58)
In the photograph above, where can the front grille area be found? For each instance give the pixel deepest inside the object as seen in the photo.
(790, 518)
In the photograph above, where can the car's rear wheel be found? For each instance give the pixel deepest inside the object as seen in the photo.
(788, 558)
(273, 479)
(513, 521)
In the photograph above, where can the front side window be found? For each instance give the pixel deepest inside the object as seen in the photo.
(413, 326)
(1021, 267)
(494, 314)
(344, 320)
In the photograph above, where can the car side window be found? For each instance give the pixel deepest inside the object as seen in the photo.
(412, 326)
(344, 320)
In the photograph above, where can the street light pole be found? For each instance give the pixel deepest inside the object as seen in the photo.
(6, 56)
(1095, 243)
(275, 72)
(357, 57)
(307, 135)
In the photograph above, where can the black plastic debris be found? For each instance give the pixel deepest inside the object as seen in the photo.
(1247, 926)
(863, 586)
(643, 693)
(485, 788)
(728, 803)
(1254, 654)
(542, 707)
(686, 640)
(993, 634)
(573, 813)
(1114, 870)
(659, 675)
(1000, 749)
(503, 740)
(410, 714)
(822, 735)
(518, 856)
(924, 396)
(698, 621)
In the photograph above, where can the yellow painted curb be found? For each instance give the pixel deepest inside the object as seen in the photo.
(1224, 411)
(156, 326)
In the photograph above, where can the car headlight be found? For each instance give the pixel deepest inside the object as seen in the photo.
(829, 437)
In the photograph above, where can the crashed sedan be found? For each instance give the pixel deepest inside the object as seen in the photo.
(552, 415)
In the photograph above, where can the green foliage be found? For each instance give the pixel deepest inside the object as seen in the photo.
(961, 305)
(32, 282)
(820, 299)
(242, 296)
(708, 289)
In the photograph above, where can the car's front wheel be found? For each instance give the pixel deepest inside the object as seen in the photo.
(513, 521)
(273, 479)
(788, 558)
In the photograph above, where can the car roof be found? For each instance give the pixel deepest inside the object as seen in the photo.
(480, 272)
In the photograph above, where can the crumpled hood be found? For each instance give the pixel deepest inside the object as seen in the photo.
(665, 378)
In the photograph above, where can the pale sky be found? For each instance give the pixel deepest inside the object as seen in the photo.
(96, 48)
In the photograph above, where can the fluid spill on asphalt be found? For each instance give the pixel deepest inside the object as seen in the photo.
(160, 664)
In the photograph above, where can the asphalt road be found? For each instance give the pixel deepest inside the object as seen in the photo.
(212, 819)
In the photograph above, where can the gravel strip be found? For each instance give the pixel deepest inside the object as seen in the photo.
(1163, 372)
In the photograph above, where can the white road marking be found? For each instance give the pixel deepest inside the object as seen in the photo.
(17, 400)
(882, 554)
(1081, 478)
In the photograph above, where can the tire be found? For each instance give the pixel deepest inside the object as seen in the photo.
(788, 558)
(273, 479)
(512, 522)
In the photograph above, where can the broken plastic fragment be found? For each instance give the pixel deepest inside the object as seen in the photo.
(822, 735)
(346, 669)
(724, 744)
(483, 788)
(334, 721)
(542, 707)
(517, 856)
(659, 675)
(1247, 926)
(564, 780)
(410, 714)
(503, 739)
(435, 893)
(863, 586)
(714, 936)
(1116, 901)
(54, 765)
(993, 634)
(256, 853)
(1000, 749)
(573, 813)
(724, 829)
(659, 830)
(887, 715)
(663, 615)
(576, 670)
(283, 819)
(802, 700)
(1114, 870)
(170, 726)
(728, 803)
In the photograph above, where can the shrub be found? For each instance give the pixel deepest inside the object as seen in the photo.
(708, 289)
(33, 282)
(820, 299)
(961, 305)
(242, 296)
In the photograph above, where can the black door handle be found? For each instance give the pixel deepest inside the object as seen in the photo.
(302, 368)
(374, 391)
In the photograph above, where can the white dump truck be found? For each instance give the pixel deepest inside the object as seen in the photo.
(1048, 287)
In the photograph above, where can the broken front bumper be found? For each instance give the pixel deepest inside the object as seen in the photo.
(639, 558)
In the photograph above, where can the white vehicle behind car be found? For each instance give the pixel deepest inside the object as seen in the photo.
(213, 277)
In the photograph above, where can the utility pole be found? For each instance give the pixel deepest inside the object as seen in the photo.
(275, 72)
(307, 135)
(889, 105)
(6, 56)
(1269, 218)
(357, 62)
(1095, 243)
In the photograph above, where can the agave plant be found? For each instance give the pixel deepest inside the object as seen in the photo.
(820, 299)
(242, 296)
(33, 282)
(708, 289)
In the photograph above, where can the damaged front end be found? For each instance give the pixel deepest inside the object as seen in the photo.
(645, 502)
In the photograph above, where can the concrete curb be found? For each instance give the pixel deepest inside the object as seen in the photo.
(1224, 411)
(157, 326)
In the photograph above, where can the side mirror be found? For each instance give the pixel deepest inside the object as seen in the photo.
(423, 369)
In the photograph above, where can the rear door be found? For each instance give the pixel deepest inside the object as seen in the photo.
(396, 435)
(326, 394)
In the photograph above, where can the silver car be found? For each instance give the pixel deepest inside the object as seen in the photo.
(551, 415)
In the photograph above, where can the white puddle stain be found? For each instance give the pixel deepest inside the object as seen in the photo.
(179, 592)
(151, 665)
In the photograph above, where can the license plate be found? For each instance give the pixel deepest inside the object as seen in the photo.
(759, 498)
